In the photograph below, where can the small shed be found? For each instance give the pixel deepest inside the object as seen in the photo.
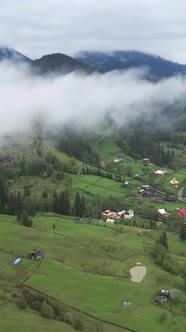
(127, 303)
(129, 214)
(36, 254)
(162, 296)
(160, 172)
(146, 161)
(174, 181)
(110, 221)
(146, 194)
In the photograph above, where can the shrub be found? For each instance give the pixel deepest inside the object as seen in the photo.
(36, 305)
(58, 311)
(15, 294)
(46, 310)
(28, 296)
(21, 303)
(78, 325)
(175, 295)
(120, 229)
(69, 318)
(163, 317)
(166, 265)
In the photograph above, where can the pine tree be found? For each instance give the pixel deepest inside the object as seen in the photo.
(55, 202)
(19, 203)
(163, 240)
(66, 207)
(60, 208)
(3, 195)
(182, 232)
(82, 207)
(27, 191)
(11, 205)
(77, 205)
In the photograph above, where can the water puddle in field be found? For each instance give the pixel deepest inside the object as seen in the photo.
(138, 273)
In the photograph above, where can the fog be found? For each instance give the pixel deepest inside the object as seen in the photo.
(79, 98)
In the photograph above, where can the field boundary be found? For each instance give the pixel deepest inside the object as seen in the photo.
(80, 311)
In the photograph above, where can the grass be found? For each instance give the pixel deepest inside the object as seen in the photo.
(17, 320)
(87, 267)
(96, 185)
(99, 294)
(107, 149)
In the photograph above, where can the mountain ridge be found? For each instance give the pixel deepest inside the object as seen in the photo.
(124, 60)
(7, 53)
(60, 63)
(92, 61)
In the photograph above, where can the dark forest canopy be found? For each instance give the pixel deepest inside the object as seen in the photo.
(139, 138)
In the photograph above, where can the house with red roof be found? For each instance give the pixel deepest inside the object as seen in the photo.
(182, 212)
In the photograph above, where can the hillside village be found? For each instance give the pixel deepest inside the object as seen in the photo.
(139, 208)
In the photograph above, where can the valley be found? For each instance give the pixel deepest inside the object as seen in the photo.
(87, 260)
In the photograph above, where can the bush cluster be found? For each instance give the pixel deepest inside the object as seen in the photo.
(49, 309)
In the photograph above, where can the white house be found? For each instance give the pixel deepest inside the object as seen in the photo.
(129, 214)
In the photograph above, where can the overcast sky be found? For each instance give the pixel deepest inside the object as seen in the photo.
(40, 27)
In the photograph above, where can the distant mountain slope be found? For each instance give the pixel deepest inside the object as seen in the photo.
(51, 63)
(158, 67)
(60, 63)
(12, 55)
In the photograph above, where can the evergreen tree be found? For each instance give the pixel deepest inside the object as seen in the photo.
(182, 232)
(22, 165)
(77, 205)
(27, 191)
(82, 207)
(24, 219)
(60, 208)
(11, 204)
(163, 240)
(3, 195)
(19, 203)
(66, 206)
(47, 311)
(55, 202)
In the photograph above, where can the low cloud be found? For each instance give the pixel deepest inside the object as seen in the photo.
(80, 99)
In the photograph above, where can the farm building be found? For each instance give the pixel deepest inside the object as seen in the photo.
(170, 198)
(183, 154)
(163, 212)
(110, 221)
(129, 214)
(125, 184)
(7, 159)
(182, 212)
(117, 215)
(162, 296)
(146, 194)
(174, 181)
(36, 254)
(160, 172)
(119, 159)
(102, 162)
(145, 186)
(146, 161)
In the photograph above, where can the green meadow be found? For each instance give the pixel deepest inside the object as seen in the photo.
(87, 267)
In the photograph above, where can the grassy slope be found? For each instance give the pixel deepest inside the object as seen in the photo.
(17, 320)
(87, 267)
(89, 264)
(107, 149)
